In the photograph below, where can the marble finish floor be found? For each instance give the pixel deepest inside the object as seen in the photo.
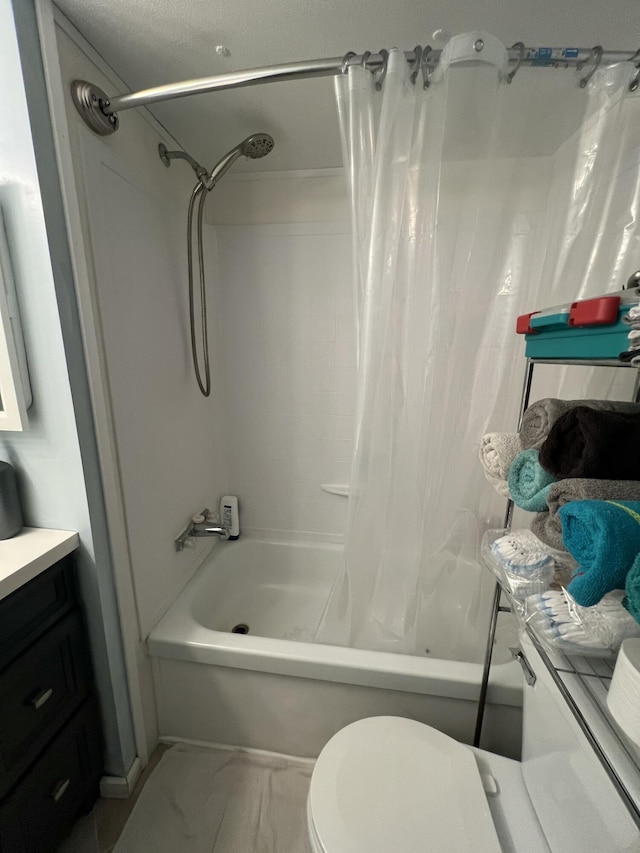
(99, 831)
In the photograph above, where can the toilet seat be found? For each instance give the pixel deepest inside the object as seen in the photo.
(390, 784)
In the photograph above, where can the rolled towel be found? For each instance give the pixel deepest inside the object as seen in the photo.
(497, 452)
(547, 526)
(604, 537)
(633, 316)
(528, 482)
(542, 415)
(588, 443)
(548, 529)
(632, 588)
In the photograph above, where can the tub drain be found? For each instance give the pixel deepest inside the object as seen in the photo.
(240, 628)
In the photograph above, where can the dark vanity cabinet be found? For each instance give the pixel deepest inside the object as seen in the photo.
(50, 732)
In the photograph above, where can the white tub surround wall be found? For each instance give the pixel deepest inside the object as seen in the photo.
(269, 198)
(288, 343)
(158, 438)
(288, 346)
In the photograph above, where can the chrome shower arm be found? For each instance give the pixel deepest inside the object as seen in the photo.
(167, 156)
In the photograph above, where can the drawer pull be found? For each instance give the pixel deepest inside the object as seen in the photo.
(41, 698)
(529, 674)
(60, 790)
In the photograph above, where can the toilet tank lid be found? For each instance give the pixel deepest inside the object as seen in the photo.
(388, 783)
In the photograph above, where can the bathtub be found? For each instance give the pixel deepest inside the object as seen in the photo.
(274, 689)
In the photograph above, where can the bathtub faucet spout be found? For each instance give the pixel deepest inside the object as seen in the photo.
(200, 525)
(204, 529)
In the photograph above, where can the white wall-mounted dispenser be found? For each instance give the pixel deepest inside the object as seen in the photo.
(229, 515)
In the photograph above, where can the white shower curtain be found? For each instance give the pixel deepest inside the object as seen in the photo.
(472, 201)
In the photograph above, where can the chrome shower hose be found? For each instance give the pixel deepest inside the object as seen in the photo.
(205, 385)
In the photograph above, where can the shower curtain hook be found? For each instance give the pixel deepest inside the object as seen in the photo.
(520, 46)
(365, 59)
(596, 56)
(345, 61)
(635, 80)
(415, 65)
(382, 73)
(424, 66)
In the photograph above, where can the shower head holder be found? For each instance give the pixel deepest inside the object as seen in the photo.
(167, 156)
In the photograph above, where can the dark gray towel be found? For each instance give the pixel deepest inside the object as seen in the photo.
(541, 416)
(547, 526)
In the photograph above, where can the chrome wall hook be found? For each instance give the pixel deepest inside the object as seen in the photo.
(596, 57)
(520, 46)
(382, 72)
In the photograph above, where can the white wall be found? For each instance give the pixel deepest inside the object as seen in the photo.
(47, 458)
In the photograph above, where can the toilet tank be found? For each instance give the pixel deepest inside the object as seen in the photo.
(577, 804)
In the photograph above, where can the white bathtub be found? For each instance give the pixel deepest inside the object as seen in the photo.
(274, 689)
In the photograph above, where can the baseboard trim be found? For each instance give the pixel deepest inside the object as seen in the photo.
(121, 787)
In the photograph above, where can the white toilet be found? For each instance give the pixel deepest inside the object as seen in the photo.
(392, 785)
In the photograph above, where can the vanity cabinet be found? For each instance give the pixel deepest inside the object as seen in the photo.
(50, 733)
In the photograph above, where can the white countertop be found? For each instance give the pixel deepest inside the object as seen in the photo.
(33, 550)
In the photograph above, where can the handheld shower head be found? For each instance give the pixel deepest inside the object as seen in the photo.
(255, 146)
(258, 145)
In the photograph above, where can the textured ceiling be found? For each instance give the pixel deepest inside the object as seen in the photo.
(149, 42)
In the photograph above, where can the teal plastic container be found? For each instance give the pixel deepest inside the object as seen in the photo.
(555, 338)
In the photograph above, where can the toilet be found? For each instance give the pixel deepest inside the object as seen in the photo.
(393, 785)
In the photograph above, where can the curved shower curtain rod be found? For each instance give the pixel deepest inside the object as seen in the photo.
(99, 110)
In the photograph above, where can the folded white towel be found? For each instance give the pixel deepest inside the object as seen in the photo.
(497, 452)
(633, 316)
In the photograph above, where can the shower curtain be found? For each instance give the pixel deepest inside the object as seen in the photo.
(472, 201)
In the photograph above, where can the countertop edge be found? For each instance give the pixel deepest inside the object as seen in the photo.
(31, 552)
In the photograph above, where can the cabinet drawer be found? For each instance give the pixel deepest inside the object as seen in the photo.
(38, 692)
(30, 610)
(41, 810)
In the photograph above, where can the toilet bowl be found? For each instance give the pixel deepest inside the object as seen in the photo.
(393, 785)
(387, 784)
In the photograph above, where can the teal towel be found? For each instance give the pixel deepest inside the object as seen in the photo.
(529, 483)
(632, 588)
(604, 537)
